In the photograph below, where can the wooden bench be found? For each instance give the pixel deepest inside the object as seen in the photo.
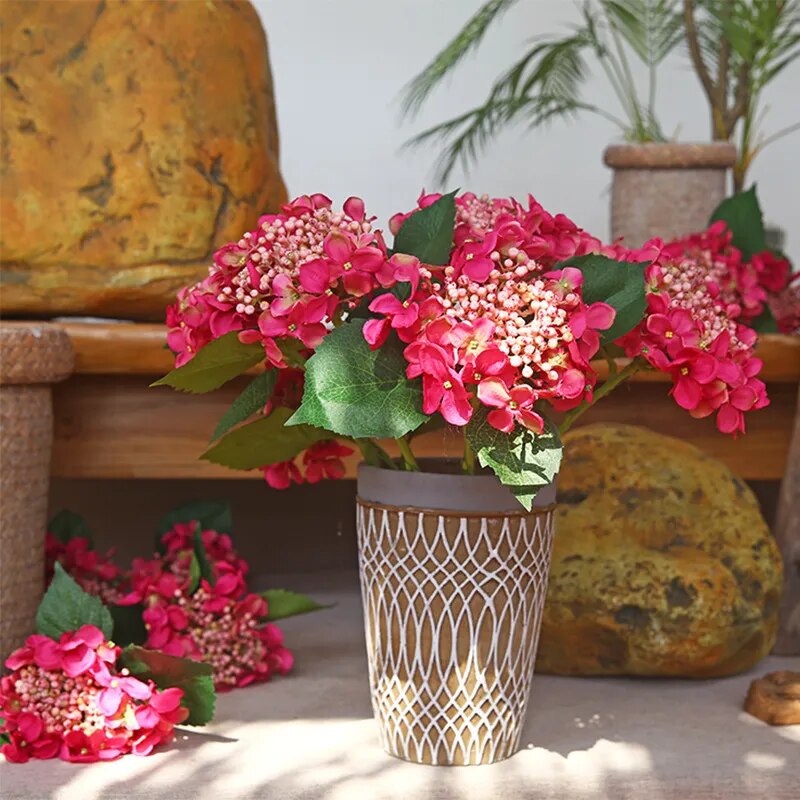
(109, 424)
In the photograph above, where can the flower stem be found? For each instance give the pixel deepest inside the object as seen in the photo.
(468, 464)
(613, 381)
(408, 457)
(374, 454)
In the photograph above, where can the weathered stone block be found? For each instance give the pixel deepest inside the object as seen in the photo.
(136, 137)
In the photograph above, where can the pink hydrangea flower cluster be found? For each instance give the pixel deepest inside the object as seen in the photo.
(66, 699)
(785, 306)
(94, 572)
(691, 331)
(547, 238)
(495, 324)
(219, 622)
(743, 286)
(287, 278)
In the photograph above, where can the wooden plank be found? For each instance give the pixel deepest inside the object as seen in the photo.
(114, 426)
(118, 348)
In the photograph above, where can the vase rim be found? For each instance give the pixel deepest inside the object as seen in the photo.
(670, 155)
(440, 491)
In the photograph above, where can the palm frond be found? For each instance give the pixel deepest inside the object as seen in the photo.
(468, 38)
(547, 77)
(651, 28)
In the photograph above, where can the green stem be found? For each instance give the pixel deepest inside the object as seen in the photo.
(374, 454)
(408, 457)
(608, 387)
(468, 464)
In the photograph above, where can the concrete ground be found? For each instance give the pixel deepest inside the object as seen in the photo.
(311, 735)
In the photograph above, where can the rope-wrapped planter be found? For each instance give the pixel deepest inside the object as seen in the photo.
(33, 355)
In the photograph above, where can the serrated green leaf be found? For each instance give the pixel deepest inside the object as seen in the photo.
(281, 603)
(252, 400)
(265, 441)
(522, 460)
(621, 284)
(215, 364)
(194, 677)
(213, 515)
(128, 624)
(67, 525)
(742, 214)
(428, 233)
(358, 392)
(65, 607)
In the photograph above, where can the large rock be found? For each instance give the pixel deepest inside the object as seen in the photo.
(663, 564)
(136, 138)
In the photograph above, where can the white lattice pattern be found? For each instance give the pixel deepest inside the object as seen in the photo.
(453, 607)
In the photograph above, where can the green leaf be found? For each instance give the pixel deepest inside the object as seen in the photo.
(765, 322)
(212, 516)
(68, 525)
(65, 607)
(522, 460)
(215, 364)
(200, 555)
(742, 214)
(194, 677)
(282, 603)
(265, 441)
(194, 573)
(252, 400)
(621, 284)
(355, 391)
(4, 737)
(428, 233)
(128, 624)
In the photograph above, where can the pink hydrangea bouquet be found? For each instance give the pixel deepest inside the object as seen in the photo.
(73, 693)
(190, 598)
(485, 314)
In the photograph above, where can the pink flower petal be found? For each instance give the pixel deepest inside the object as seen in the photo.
(338, 246)
(493, 392)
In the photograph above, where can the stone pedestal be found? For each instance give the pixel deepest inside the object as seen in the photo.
(33, 355)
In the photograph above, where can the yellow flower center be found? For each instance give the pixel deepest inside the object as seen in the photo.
(347, 265)
(447, 385)
(668, 335)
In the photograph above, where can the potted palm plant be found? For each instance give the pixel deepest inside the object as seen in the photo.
(485, 316)
(661, 187)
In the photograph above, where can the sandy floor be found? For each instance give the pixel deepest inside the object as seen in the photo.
(312, 736)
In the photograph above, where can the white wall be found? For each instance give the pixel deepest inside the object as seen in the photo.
(339, 67)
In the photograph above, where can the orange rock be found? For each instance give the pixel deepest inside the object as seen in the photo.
(136, 138)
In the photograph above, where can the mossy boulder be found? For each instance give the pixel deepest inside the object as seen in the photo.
(136, 139)
(662, 564)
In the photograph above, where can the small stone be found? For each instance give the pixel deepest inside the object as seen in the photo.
(775, 698)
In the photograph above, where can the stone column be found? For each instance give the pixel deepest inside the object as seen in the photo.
(33, 355)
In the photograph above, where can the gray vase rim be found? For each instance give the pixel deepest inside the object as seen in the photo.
(443, 492)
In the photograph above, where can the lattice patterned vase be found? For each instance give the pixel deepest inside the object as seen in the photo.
(453, 578)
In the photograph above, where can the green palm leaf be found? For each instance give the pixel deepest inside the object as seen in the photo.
(467, 39)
